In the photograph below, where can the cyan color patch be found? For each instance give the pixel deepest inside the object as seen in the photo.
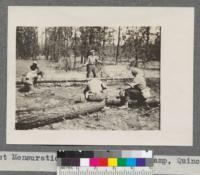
(131, 162)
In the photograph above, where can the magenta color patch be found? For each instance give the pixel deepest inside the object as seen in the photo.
(94, 162)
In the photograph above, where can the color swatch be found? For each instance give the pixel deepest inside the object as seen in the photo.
(106, 162)
(105, 158)
(103, 153)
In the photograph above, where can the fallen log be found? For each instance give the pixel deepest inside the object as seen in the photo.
(77, 81)
(152, 102)
(150, 111)
(36, 120)
(113, 102)
(18, 111)
(150, 81)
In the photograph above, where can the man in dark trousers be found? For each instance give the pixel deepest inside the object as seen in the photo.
(91, 64)
(138, 90)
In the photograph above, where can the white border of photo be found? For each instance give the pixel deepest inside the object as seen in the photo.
(177, 43)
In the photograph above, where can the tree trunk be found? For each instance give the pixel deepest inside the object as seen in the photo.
(54, 44)
(82, 59)
(75, 48)
(104, 36)
(39, 119)
(136, 58)
(104, 42)
(117, 53)
(147, 44)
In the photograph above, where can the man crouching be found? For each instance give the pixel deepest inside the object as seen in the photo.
(95, 90)
(28, 80)
(138, 90)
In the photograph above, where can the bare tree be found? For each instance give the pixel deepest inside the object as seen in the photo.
(118, 42)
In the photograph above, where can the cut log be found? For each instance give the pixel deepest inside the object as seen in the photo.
(19, 111)
(117, 102)
(113, 102)
(152, 102)
(36, 120)
(151, 82)
(77, 81)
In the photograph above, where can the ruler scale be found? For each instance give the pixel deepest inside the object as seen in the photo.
(104, 162)
(102, 171)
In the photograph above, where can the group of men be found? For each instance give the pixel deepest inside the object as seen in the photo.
(138, 90)
(95, 89)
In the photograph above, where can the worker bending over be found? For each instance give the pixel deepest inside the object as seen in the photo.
(95, 90)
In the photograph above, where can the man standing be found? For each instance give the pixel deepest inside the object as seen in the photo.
(91, 64)
(137, 91)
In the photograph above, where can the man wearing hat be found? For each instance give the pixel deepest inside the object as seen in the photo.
(138, 89)
(92, 60)
(34, 67)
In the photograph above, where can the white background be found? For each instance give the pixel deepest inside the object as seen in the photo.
(176, 72)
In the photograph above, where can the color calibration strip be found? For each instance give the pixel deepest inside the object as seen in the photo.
(114, 158)
(105, 162)
(103, 153)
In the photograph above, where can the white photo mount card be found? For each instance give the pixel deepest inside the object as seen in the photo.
(100, 75)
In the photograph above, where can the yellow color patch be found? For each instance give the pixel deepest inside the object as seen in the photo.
(112, 162)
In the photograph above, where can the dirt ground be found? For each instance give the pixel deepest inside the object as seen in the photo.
(46, 98)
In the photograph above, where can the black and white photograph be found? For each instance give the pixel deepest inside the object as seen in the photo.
(100, 75)
(88, 78)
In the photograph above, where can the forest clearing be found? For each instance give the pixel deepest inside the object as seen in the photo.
(65, 58)
(47, 98)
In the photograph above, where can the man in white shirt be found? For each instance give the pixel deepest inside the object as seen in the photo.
(31, 76)
(40, 74)
(92, 60)
(138, 90)
(94, 90)
(28, 81)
